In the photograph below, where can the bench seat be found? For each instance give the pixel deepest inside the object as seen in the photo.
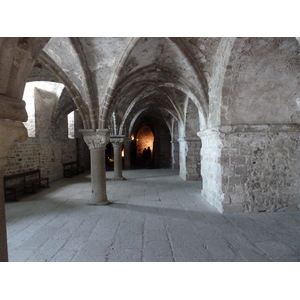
(25, 182)
(72, 168)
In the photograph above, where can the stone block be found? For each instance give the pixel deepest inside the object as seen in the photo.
(190, 159)
(226, 200)
(233, 208)
(241, 170)
(253, 255)
(223, 160)
(234, 180)
(275, 248)
(126, 255)
(238, 160)
(238, 198)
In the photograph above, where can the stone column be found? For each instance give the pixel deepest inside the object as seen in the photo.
(97, 139)
(117, 141)
(10, 131)
(182, 157)
(211, 168)
(175, 154)
(3, 236)
(189, 156)
(127, 142)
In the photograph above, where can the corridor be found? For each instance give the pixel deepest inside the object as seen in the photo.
(155, 217)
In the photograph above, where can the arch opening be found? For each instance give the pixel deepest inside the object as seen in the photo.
(39, 95)
(71, 125)
(144, 146)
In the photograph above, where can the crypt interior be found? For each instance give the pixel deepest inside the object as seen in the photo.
(220, 118)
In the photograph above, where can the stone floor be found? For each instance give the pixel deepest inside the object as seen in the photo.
(155, 217)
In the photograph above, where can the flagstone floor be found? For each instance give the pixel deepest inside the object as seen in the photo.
(155, 216)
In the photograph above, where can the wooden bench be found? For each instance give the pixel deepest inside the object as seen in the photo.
(72, 168)
(24, 182)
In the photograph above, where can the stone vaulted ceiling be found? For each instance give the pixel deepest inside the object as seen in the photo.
(125, 77)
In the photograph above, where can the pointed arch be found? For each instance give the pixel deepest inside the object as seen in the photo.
(175, 81)
(92, 91)
(216, 84)
(83, 107)
(103, 115)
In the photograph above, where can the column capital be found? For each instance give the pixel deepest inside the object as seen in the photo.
(95, 138)
(127, 140)
(10, 132)
(189, 139)
(117, 139)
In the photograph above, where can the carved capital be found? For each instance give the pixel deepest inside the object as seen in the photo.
(10, 132)
(95, 138)
(127, 141)
(188, 139)
(12, 109)
(117, 139)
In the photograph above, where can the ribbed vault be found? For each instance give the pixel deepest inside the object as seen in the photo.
(157, 78)
(108, 77)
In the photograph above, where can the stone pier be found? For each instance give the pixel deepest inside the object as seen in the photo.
(97, 139)
(189, 156)
(251, 168)
(127, 142)
(117, 142)
(10, 131)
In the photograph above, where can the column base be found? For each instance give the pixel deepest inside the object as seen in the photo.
(119, 178)
(99, 203)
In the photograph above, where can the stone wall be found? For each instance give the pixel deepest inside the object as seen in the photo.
(261, 83)
(211, 168)
(251, 168)
(193, 164)
(51, 147)
(189, 158)
(161, 147)
(261, 167)
(46, 155)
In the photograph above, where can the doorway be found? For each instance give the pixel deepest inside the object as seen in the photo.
(144, 141)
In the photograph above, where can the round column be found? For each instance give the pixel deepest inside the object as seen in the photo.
(127, 142)
(117, 142)
(97, 141)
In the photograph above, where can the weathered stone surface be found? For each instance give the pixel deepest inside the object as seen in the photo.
(241, 94)
(12, 109)
(131, 230)
(50, 146)
(11, 131)
(95, 139)
(256, 167)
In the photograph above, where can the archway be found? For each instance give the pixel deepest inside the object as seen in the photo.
(144, 140)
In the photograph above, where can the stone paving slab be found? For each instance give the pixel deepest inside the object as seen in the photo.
(275, 249)
(125, 256)
(19, 255)
(63, 256)
(252, 255)
(155, 217)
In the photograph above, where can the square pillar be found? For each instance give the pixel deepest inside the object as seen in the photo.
(251, 168)
(189, 158)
